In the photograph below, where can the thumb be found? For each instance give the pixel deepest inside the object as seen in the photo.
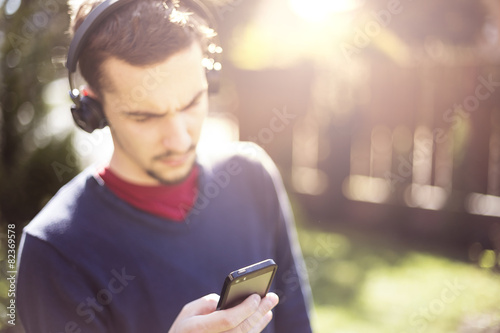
(201, 306)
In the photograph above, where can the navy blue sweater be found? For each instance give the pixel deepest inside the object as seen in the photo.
(90, 262)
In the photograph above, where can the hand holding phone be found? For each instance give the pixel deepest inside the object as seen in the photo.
(201, 316)
(248, 316)
(253, 279)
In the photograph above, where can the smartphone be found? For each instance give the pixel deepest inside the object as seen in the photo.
(253, 279)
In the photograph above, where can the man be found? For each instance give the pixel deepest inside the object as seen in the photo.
(144, 243)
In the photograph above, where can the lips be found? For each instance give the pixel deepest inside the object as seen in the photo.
(177, 160)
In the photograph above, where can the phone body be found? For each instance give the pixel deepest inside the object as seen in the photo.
(253, 279)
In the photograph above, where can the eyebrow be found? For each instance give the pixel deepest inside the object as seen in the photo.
(152, 114)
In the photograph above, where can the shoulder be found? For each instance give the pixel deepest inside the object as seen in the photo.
(239, 157)
(244, 171)
(59, 213)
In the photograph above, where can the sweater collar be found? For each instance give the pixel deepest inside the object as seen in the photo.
(169, 201)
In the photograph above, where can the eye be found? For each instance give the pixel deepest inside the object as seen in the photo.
(141, 119)
(193, 104)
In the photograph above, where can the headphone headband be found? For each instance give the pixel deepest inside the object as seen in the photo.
(96, 16)
(87, 112)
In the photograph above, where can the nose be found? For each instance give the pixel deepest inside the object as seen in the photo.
(176, 136)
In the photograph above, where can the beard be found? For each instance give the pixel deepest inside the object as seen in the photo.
(163, 177)
(170, 181)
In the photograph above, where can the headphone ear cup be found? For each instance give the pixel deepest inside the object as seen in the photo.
(89, 116)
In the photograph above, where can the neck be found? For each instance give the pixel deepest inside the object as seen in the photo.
(130, 172)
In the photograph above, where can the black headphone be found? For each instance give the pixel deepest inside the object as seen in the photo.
(87, 112)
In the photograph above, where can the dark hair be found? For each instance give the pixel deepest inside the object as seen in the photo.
(143, 32)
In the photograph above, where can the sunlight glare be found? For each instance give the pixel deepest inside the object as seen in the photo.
(426, 196)
(319, 10)
(483, 204)
(218, 130)
(367, 189)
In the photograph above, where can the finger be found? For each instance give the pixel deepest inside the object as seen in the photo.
(259, 327)
(225, 320)
(204, 305)
(257, 321)
(273, 298)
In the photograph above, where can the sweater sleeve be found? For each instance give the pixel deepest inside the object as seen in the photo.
(291, 282)
(53, 295)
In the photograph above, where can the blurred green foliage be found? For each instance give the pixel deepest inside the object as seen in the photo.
(32, 37)
(364, 284)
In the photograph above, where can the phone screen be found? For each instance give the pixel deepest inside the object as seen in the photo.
(253, 279)
(244, 286)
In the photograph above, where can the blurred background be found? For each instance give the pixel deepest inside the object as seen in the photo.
(382, 115)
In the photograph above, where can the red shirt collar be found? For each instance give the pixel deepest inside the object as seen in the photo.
(169, 201)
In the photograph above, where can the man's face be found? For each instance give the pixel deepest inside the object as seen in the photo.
(155, 115)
